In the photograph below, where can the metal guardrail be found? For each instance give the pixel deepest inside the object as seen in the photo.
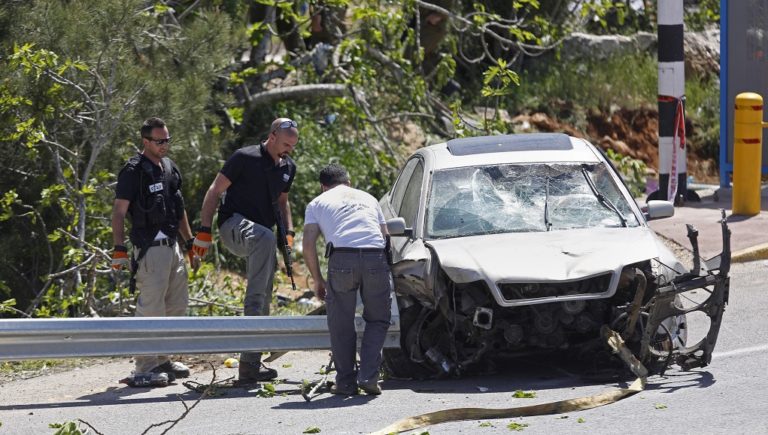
(64, 338)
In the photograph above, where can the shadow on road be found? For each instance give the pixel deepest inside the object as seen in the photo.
(531, 373)
(326, 402)
(123, 396)
(673, 381)
(550, 371)
(111, 396)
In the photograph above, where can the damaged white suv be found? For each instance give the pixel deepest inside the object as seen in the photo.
(507, 244)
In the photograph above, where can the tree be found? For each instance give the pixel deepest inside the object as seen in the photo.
(76, 100)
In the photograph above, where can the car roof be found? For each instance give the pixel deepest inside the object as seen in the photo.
(512, 148)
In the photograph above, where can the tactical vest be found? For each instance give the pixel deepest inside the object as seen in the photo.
(159, 202)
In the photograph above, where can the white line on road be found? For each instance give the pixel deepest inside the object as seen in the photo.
(752, 349)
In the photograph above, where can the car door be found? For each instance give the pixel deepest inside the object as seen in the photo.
(391, 202)
(405, 202)
(412, 259)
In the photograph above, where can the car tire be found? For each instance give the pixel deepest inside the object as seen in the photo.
(397, 363)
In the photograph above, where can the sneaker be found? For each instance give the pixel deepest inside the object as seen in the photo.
(255, 372)
(176, 368)
(371, 388)
(146, 380)
(170, 375)
(349, 390)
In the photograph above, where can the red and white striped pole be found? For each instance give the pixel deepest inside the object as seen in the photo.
(671, 101)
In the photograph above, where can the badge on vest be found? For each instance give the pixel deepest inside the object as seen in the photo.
(286, 177)
(155, 187)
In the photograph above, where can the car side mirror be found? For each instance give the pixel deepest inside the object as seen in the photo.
(659, 209)
(396, 228)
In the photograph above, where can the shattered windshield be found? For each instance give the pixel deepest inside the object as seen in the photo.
(524, 197)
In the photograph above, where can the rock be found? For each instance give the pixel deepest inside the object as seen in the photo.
(702, 53)
(406, 132)
(490, 113)
(702, 49)
(618, 146)
(587, 46)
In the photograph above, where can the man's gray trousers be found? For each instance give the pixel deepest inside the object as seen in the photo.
(351, 271)
(258, 245)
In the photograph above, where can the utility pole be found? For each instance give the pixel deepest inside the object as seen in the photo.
(673, 175)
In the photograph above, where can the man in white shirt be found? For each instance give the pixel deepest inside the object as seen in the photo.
(354, 229)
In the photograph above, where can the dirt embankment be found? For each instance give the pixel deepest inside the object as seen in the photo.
(631, 132)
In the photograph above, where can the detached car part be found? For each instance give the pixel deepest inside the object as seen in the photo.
(656, 349)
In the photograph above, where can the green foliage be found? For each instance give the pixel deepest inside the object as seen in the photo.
(520, 394)
(71, 104)
(68, 428)
(337, 142)
(267, 390)
(618, 17)
(223, 292)
(312, 429)
(498, 80)
(517, 427)
(703, 15)
(628, 81)
(702, 107)
(632, 172)
(7, 305)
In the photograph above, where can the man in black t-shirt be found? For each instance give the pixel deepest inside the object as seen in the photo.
(149, 192)
(253, 180)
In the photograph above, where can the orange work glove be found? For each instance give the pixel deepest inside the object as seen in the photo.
(289, 235)
(202, 241)
(119, 257)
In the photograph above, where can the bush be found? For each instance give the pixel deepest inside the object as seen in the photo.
(557, 87)
(632, 171)
(703, 110)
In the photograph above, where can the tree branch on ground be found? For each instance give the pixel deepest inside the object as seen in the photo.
(90, 426)
(299, 92)
(187, 408)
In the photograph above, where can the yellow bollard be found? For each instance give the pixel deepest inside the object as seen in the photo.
(747, 150)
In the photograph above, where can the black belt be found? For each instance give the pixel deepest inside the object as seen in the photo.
(163, 242)
(330, 249)
(356, 250)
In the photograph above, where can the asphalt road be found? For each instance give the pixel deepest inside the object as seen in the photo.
(729, 396)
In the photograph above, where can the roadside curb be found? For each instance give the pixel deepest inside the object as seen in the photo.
(754, 253)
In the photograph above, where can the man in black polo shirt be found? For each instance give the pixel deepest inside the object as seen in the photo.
(149, 192)
(251, 181)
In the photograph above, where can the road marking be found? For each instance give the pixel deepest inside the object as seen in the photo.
(752, 349)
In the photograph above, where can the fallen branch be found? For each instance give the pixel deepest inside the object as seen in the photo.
(73, 268)
(90, 426)
(187, 409)
(14, 310)
(216, 304)
(300, 92)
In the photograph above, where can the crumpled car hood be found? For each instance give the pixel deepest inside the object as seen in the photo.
(544, 256)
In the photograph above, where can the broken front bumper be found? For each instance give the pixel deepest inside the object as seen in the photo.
(711, 280)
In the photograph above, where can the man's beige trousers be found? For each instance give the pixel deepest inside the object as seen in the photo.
(162, 284)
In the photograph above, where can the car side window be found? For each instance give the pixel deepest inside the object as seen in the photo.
(410, 206)
(400, 185)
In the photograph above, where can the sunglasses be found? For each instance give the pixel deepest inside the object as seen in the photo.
(165, 141)
(287, 124)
